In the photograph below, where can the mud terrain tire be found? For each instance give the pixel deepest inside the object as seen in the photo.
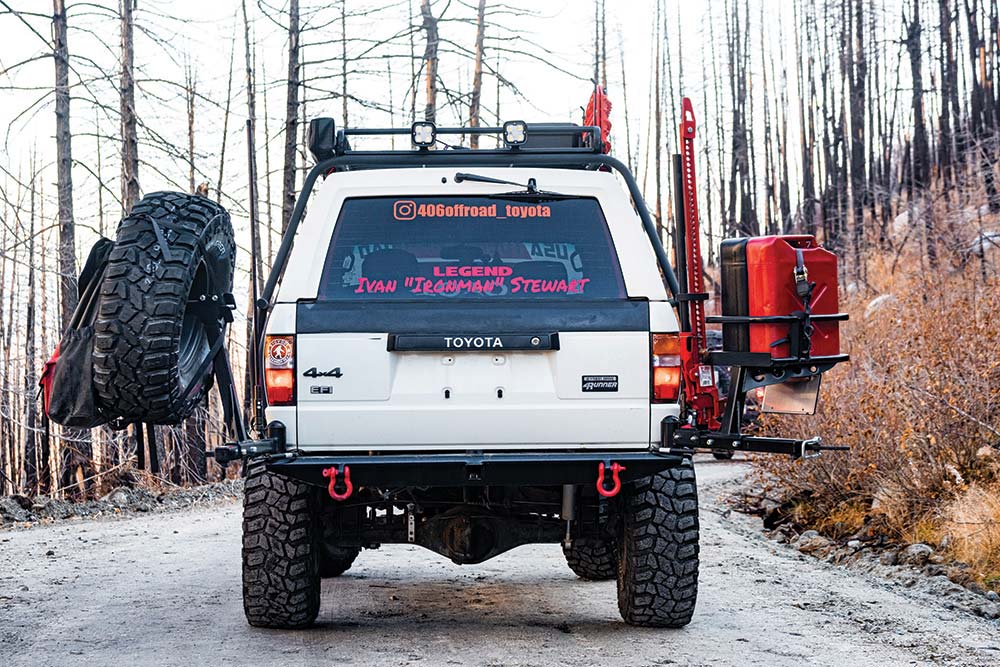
(334, 561)
(593, 559)
(148, 345)
(658, 554)
(281, 580)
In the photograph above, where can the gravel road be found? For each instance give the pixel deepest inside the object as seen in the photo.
(165, 590)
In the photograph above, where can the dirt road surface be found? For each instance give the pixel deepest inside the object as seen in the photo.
(165, 590)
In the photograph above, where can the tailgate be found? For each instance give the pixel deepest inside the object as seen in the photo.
(473, 376)
(472, 322)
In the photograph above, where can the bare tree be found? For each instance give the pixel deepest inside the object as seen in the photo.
(64, 164)
(31, 463)
(430, 26)
(920, 157)
(291, 116)
(130, 139)
(477, 74)
(225, 117)
(189, 98)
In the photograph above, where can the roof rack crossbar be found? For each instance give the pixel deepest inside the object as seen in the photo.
(567, 129)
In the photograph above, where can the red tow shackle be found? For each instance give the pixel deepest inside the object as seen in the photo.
(616, 483)
(331, 472)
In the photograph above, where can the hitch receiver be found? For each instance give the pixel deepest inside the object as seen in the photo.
(274, 443)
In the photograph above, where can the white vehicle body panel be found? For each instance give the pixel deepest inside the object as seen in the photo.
(480, 400)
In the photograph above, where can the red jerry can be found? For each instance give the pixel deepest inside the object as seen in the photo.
(759, 280)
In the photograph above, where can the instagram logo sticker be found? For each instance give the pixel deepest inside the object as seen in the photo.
(404, 210)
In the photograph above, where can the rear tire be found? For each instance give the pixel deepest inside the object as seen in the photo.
(334, 561)
(148, 345)
(658, 564)
(592, 559)
(281, 580)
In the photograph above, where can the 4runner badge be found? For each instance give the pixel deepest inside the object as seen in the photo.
(600, 383)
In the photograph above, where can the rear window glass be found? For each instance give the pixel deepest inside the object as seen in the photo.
(473, 248)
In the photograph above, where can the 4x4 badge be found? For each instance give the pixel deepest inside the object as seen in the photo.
(316, 373)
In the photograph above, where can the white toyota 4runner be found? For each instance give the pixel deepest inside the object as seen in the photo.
(472, 350)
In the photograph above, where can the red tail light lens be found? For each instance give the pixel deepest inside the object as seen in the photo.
(665, 360)
(279, 369)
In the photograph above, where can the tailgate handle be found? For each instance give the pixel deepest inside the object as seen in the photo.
(472, 342)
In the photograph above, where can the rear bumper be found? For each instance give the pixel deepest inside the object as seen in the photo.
(535, 469)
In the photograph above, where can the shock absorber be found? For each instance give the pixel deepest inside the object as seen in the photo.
(568, 511)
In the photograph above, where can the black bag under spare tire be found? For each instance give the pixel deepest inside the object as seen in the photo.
(149, 346)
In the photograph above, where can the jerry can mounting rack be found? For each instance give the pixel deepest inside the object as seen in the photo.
(800, 331)
(759, 369)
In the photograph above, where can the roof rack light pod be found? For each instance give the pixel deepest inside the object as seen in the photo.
(515, 132)
(423, 134)
(322, 138)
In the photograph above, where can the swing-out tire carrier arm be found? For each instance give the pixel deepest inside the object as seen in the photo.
(682, 439)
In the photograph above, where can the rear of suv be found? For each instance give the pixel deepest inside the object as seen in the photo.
(473, 366)
(473, 350)
(470, 357)
(429, 315)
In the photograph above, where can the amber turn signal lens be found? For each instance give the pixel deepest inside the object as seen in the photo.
(666, 344)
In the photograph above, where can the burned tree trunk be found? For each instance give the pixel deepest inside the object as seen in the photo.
(430, 60)
(189, 95)
(857, 75)
(658, 120)
(920, 153)
(76, 449)
(291, 116)
(64, 164)
(477, 75)
(343, 62)
(255, 259)
(130, 140)
(31, 464)
(225, 119)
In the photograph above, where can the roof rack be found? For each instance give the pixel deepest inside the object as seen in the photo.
(519, 138)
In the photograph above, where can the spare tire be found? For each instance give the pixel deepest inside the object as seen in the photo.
(149, 346)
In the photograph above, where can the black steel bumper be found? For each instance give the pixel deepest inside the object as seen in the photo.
(465, 469)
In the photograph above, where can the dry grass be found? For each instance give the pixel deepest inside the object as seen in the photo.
(970, 528)
(919, 405)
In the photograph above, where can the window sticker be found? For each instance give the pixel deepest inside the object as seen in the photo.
(425, 248)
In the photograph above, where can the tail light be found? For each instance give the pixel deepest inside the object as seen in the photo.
(279, 369)
(666, 366)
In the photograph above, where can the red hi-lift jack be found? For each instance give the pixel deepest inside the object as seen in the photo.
(705, 424)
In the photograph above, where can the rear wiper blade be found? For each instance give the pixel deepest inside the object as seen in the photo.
(530, 190)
